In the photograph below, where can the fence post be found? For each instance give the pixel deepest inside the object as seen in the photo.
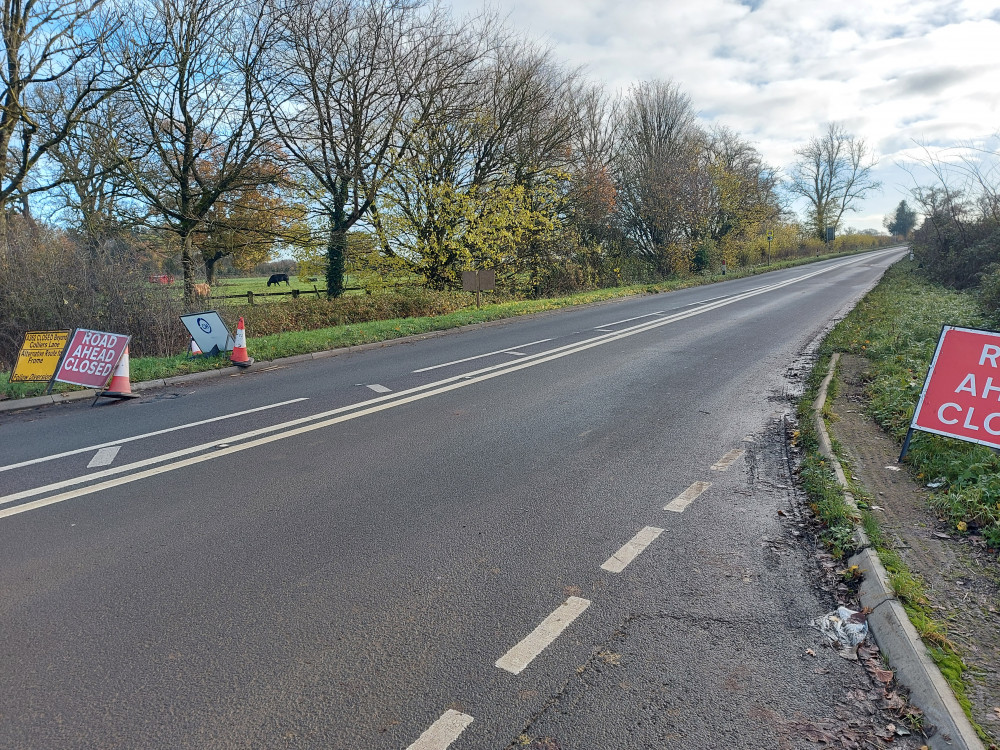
(250, 298)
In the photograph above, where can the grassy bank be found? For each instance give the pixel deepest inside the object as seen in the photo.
(896, 327)
(303, 326)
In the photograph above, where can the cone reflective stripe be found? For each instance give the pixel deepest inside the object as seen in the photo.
(119, 381)
(240, 357)
(119, 387)
(195, 349)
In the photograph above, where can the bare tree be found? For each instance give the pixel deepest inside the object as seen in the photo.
(47, 43)
(205, 132)
(347, 104)
(592, 194)
(89, 166)
(833, 172)
(655, 155)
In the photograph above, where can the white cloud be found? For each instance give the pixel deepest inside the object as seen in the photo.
(895, 73)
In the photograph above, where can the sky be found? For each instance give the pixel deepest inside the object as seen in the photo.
(911, 78)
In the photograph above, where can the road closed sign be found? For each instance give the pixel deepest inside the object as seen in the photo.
(961, 395)
(91, 357)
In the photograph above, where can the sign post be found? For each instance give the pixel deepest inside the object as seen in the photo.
(770, 236)
(38, 358)
(961, 394)
(479, 281)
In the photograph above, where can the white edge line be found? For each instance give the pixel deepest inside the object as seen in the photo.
(442, 732)
(521, 655)
(148, 435)
(631, 549)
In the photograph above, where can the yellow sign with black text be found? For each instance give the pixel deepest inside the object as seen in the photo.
(39, 356)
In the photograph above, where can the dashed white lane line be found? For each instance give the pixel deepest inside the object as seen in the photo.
(727, 460)
(379, 388)
(618, 561)
(510, 350)
(519, 657)
(104, 457)
(442, 732)
(688, 496)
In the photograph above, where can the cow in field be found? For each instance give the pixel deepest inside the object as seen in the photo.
(202, 290)
(277, 278)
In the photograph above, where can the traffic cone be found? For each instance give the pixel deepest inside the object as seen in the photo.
(239, 357)
(119, 387)
(195, 349)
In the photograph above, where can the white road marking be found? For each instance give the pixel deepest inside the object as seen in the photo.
(519, 657)
(688, 496)
(509, 350)
(379, 388)
(209, 450)
(148, 434)
(442, 732)
(104, 457)
(727, 460)
(628, 320)
(631, 549)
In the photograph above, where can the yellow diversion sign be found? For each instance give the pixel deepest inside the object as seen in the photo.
(39, 356)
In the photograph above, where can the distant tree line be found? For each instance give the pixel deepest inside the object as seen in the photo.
(383, 136)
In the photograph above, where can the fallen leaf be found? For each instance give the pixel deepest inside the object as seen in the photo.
(882, 675)
(810, 652)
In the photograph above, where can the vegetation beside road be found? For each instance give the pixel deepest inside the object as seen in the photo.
(303, 326)
(896, 328)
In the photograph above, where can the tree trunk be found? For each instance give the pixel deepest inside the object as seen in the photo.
(336, 254)
(187, 263)
(210, 268)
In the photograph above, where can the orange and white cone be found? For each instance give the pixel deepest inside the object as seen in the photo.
(195, 349)
(239, 356)
(120, 387)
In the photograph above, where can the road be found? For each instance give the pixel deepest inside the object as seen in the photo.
(559, 531)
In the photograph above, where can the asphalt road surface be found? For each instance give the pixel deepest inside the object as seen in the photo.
(559, 531)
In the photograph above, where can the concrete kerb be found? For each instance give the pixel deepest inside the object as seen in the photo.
(890, 626)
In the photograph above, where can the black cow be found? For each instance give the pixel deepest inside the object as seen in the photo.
(277, 278)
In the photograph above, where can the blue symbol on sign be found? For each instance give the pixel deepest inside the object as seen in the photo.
(203, 325)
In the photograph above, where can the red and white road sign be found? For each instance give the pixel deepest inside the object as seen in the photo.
(961, 396)
(91, 357)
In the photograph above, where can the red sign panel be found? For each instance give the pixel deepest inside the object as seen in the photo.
(91, 358)
(961, 396)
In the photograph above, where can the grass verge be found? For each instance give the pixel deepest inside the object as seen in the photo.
(896, 328)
